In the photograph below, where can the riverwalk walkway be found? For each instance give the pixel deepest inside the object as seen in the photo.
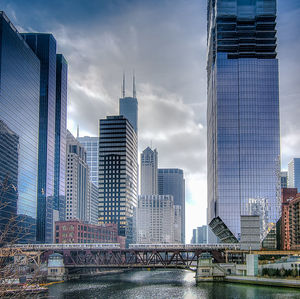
(279, 282)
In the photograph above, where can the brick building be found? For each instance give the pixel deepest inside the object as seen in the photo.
(75, 231)
(290, 219)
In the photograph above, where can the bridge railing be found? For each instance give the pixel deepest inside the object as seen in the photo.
(228, 246)
(67, 246)
(220, 246)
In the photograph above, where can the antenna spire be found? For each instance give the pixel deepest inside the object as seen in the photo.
(77, 131)
(133, 83)
(123, 85)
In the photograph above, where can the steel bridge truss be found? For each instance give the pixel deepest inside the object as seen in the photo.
(129, 258)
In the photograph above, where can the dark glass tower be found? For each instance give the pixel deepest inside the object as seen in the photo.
(44, 46)
(171, 182)
(128, 106)
(19, 127)
(60, 137)
(118, 174)
(242, 111)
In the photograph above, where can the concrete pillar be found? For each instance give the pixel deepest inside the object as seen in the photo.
(252, 264)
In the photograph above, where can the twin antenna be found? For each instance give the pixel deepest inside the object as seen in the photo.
(133, 86)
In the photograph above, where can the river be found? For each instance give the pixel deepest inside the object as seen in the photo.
(162, 284)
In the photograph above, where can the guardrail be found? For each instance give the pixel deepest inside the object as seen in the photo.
(221, 246)
(228, 246)
(67, 246)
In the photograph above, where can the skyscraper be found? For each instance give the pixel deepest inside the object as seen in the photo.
(77, 183)
(149, 164)
(128, 106)
(242, 110)
(171, 182)
(294, 173)
(91, 145)
(19, 127)
(199, 235)
(94, 200)
(118, 173)
(284, 179)
(60, 137)
(44, 46)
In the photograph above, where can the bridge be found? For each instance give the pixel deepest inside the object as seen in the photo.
(110, 255)
(137, 256)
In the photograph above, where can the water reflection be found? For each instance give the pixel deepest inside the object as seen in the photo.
(162, 284)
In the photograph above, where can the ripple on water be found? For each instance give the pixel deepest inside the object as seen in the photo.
(162, 284)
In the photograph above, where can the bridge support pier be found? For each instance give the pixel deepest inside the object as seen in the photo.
(56, 268)
(207, 270)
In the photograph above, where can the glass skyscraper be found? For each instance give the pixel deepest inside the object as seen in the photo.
(44, 46)
(242, 110)
(171, 182)
(128, 106)
(294, 174)
(60, 136)
(19, 127)
(91, 145)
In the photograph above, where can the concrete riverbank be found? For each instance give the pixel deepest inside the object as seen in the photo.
(279, 282)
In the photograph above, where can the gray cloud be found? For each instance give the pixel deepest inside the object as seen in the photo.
(165, 42)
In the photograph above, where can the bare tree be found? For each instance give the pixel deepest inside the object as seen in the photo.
(15, 262)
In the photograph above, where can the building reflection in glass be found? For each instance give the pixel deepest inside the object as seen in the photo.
(19, 123)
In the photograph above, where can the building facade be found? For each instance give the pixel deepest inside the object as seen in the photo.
(60, 138)
(77, 181)
(284, 179)
(149, 166)
(91, 145)
(199, 235)
(294, 173)
(118, 170)
(290, 219)
(44, 46)
(243, 110)
(128, 106)
(19, 129)
(75, 231)
(155, 219)
(177, 224)
(171, 182)
(94, 200)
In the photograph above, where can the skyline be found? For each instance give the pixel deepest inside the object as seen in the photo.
(168, 78)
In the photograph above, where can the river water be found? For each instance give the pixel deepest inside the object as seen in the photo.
(162, 284)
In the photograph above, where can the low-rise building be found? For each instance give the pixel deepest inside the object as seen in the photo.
(75, 231)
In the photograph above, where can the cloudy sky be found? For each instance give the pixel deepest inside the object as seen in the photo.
(164, 41)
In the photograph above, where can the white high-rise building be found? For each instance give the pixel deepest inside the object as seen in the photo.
(77, 181)
(294, 173)
(155, 219)
(177, 223)
(149, 165)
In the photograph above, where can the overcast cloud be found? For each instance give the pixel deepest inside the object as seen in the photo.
(165, 43)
